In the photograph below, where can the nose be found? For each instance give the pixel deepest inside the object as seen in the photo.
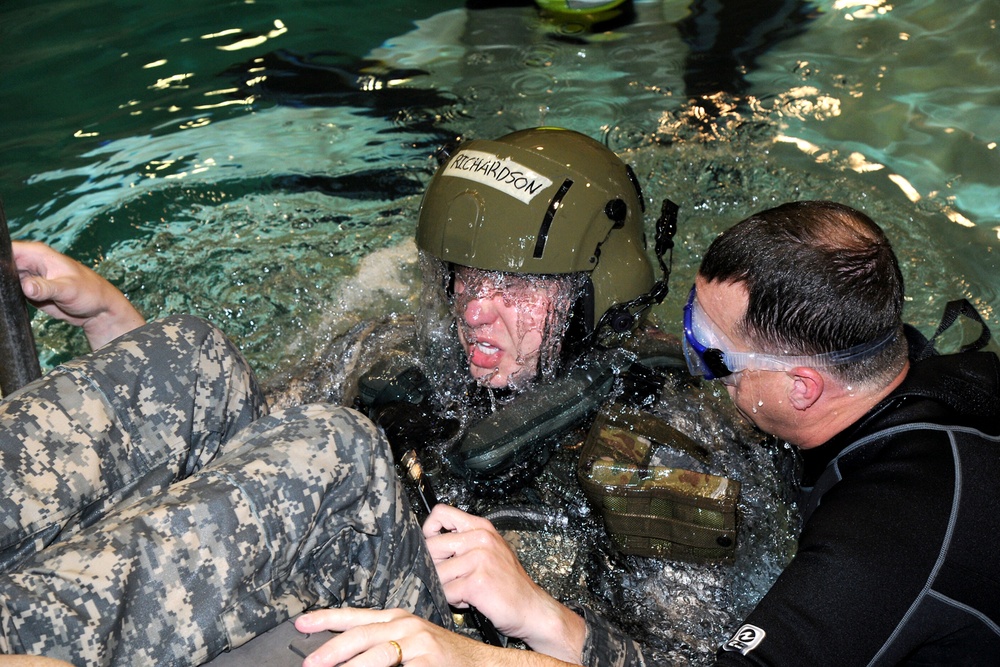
(480, 311)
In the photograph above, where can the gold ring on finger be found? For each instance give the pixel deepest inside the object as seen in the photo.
(399, 653)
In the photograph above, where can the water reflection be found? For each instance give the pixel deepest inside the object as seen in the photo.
(343, 129)
(725, 39)
(287, 216)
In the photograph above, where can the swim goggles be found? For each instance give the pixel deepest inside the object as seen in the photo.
(706, 356)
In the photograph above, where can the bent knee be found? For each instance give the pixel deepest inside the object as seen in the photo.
(334, 430)
(190, 326)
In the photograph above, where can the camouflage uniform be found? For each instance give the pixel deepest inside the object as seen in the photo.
(153, 513)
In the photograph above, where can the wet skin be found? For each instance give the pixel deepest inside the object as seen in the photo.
(501, 325)
(758, 395)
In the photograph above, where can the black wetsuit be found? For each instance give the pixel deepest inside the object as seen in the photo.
(899, 558)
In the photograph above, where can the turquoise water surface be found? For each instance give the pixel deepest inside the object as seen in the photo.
(260, 163)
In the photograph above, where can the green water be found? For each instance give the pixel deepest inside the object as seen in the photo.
(131, 141)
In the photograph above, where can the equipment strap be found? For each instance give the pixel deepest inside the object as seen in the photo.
(952, 311)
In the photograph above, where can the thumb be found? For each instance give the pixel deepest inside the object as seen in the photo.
(31, 289)
(40, 289)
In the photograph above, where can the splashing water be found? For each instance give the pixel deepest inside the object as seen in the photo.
(285, 212)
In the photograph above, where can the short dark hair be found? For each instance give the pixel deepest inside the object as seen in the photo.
(821, 277)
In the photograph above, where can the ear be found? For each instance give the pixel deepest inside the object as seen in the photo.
(807, 387)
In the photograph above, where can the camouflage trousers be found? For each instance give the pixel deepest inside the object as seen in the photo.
(153, 513)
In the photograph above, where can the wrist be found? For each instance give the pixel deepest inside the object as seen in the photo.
(557, 631)
(109, 324)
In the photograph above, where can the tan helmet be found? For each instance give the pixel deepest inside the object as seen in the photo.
(542, 201)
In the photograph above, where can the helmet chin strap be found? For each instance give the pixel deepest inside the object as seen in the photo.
(623, 316)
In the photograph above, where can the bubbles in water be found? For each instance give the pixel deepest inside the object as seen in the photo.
(534, 84)
(628, 134)
(539, 55)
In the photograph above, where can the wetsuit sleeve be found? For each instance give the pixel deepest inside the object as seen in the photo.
(864, 558)
(606, 645)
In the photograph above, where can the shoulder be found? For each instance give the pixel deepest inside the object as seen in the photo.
(953, 389)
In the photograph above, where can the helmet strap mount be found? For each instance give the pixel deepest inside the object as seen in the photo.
(666, 228)
(623, 316)
(617, 211)
(444, 152)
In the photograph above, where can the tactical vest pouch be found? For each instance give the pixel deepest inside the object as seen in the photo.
(656, 511)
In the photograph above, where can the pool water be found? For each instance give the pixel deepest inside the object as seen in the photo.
(260, 163)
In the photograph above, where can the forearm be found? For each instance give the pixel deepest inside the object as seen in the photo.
(505, 657)
(558, 631)
(591, 640)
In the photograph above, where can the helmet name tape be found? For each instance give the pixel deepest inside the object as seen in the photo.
(502, 174)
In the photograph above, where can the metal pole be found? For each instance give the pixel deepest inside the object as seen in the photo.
(18, 357)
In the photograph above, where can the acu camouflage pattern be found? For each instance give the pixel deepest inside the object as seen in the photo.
(153, 513)
(606, 646)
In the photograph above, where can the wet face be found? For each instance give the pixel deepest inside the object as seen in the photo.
(761, 396)
(502, 322)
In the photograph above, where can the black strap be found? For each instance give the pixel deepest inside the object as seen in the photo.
(623, 316)
(952, 311)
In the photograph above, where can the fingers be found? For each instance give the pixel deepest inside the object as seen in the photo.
(32, 289)
(472, 560)
(479, 569)
(344, 618)
(47, 275)
(447, 518)
(39, 259)
(69, 291)
(369, 637)
(477, 544)
(29, 255)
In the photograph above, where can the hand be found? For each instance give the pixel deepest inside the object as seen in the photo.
(478, 568)
(69, 291)
(366, 633)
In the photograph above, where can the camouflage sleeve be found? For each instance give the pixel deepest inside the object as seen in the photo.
(606, 646)
(298, 509)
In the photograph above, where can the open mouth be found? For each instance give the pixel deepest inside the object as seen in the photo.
(484, 355)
